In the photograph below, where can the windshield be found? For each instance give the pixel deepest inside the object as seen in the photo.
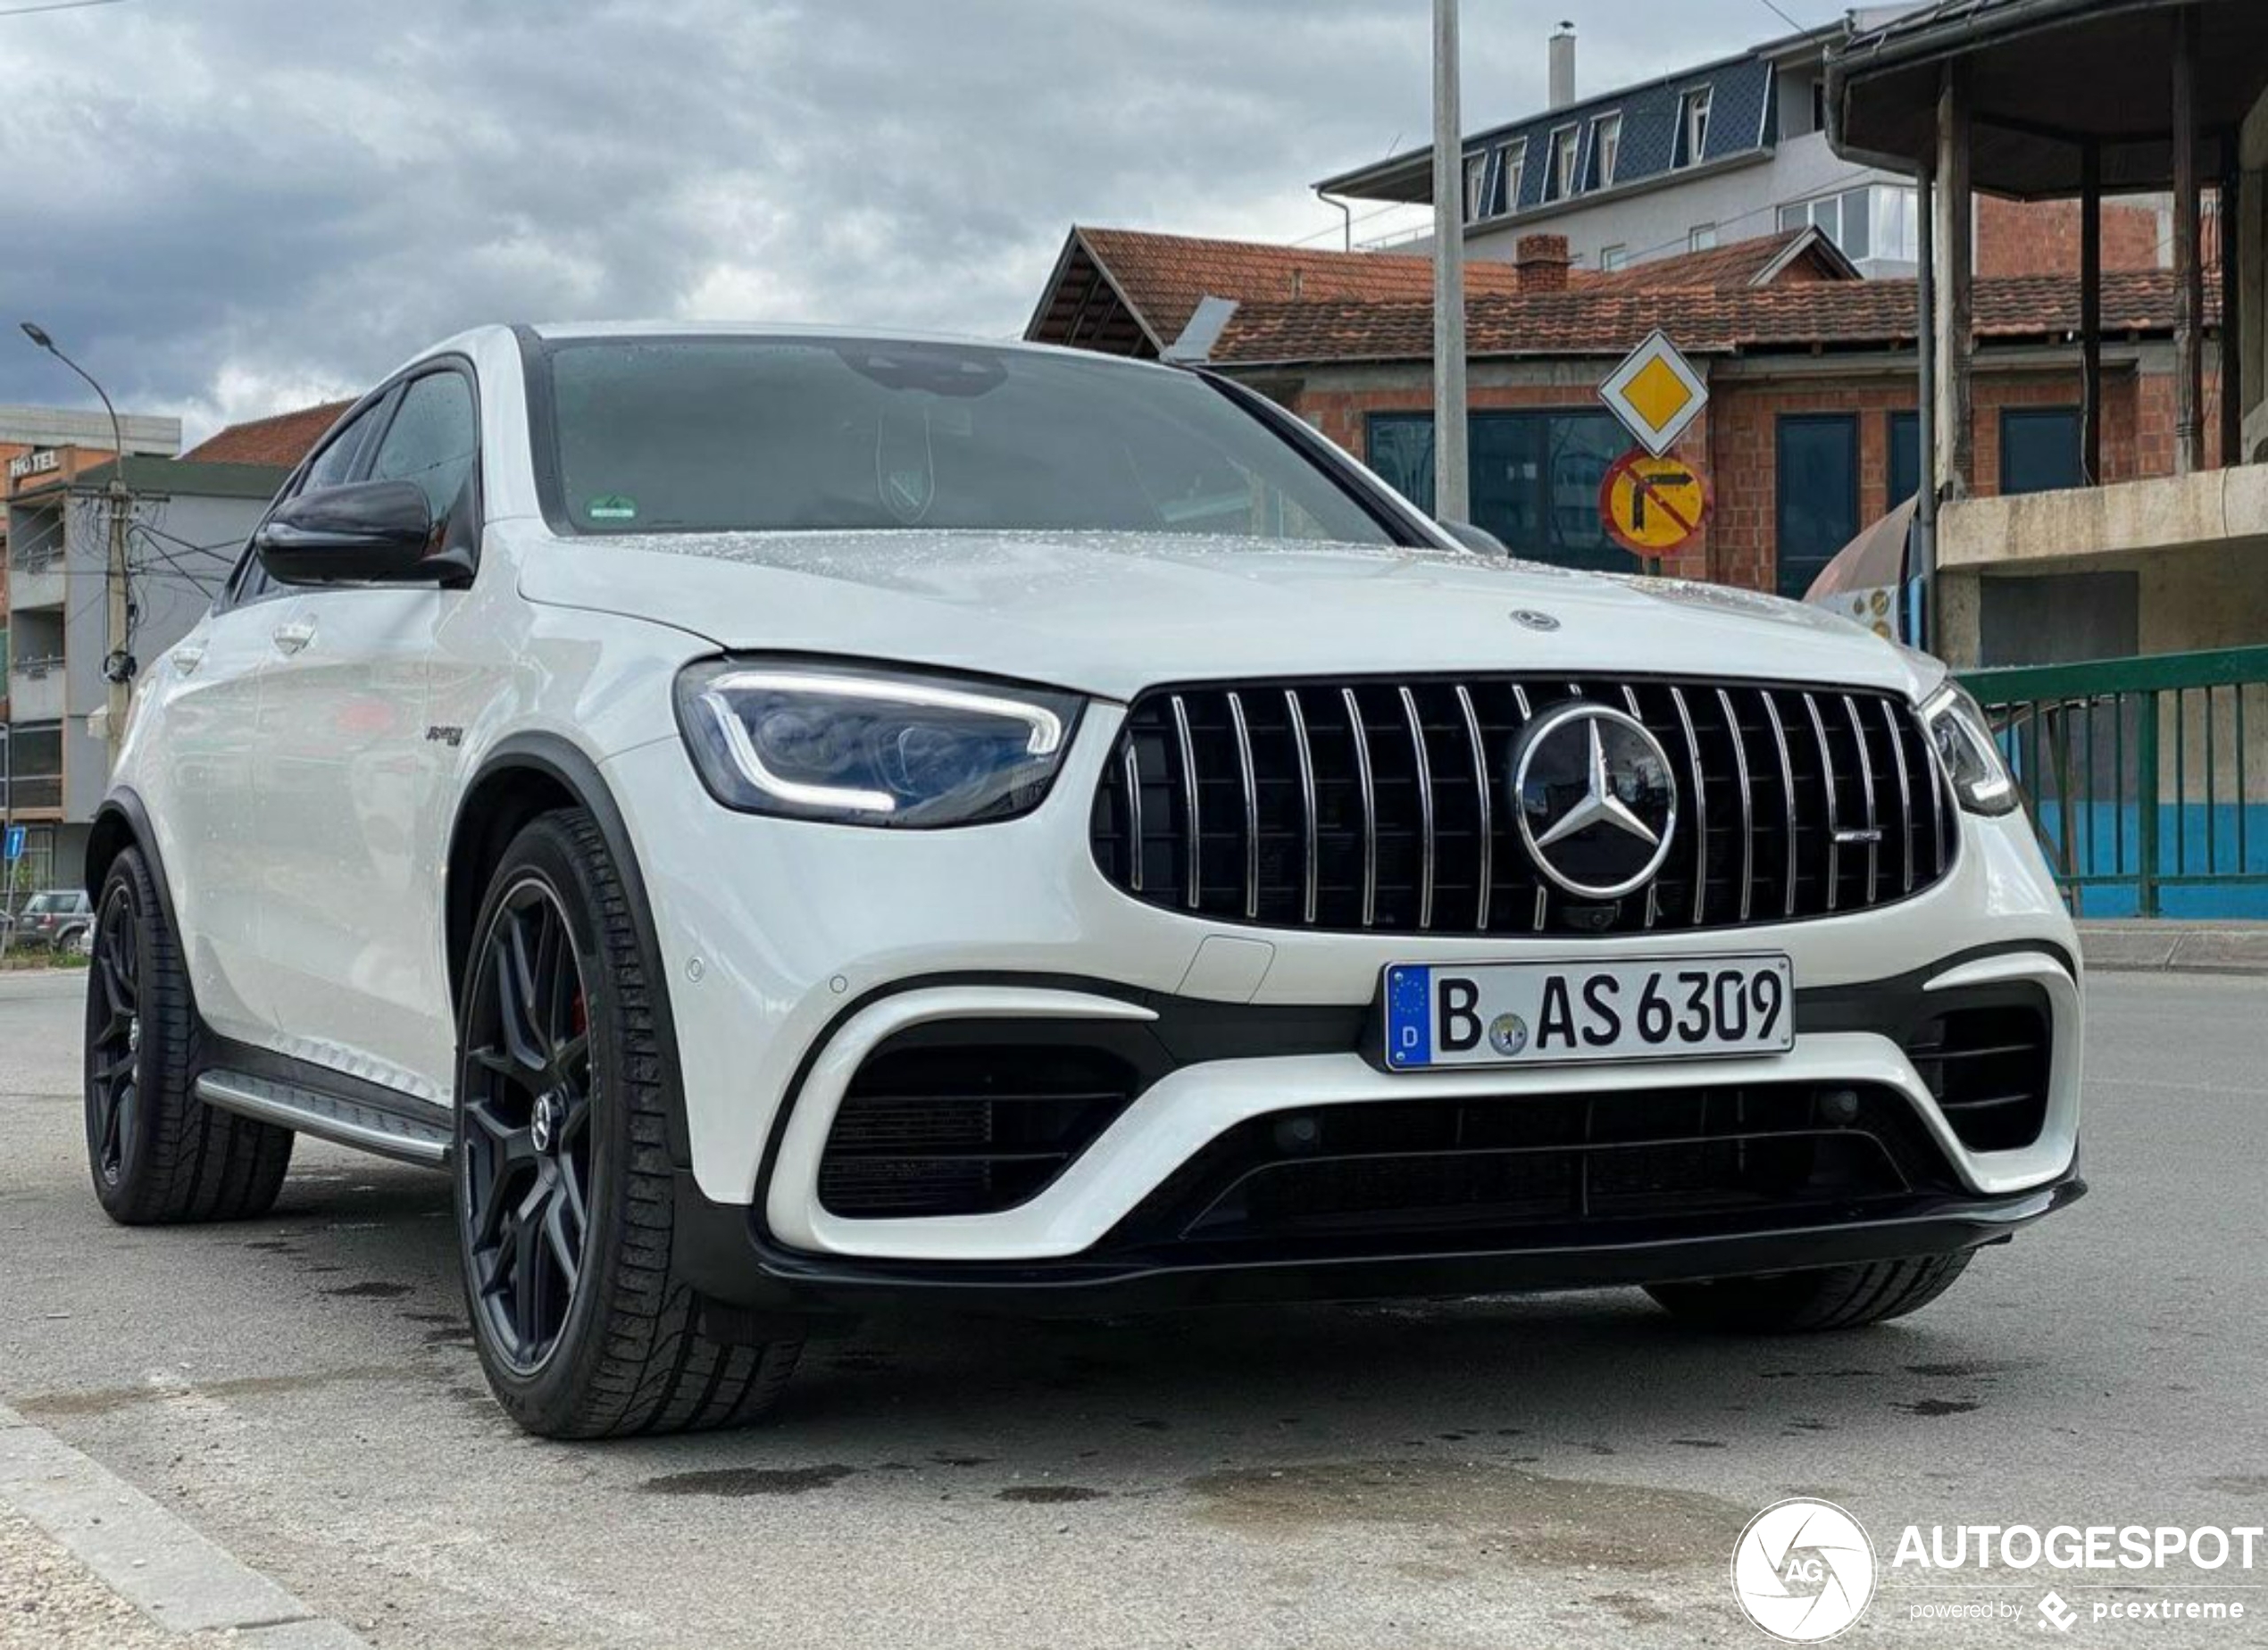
(766, 433)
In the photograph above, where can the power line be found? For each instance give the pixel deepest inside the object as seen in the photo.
(57, 6)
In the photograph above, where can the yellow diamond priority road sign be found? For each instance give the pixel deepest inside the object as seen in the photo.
(1655, 392)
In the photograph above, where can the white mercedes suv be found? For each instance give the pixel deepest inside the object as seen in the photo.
(798, 823)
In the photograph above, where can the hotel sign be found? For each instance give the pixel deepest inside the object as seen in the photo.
(38, 463)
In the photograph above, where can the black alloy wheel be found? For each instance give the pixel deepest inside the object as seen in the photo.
(527, 1175)
(114, 1036)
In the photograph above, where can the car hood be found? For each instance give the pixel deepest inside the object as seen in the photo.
(1113, 613)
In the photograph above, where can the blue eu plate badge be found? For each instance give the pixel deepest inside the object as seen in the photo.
(1409, 1016)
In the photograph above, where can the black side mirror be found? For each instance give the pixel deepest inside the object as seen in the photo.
(1475, 537)
(366, 532)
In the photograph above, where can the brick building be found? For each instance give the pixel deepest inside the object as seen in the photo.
(1812, 431)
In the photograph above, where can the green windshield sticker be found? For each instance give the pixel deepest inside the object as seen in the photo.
(612, 507)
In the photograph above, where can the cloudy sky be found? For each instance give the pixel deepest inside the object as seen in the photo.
(229, 207)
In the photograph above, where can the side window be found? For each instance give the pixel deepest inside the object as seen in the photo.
(331, 466)
(432, 441)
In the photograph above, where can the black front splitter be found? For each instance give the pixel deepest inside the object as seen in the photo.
(721, 1252)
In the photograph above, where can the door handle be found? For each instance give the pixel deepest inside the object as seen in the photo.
(291, 637)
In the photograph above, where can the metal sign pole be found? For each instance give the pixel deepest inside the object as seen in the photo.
(1451, 489)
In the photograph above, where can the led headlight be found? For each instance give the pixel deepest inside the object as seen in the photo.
(871, 747)
(1971, 754)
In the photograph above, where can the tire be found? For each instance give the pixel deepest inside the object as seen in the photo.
(158, 1155)
(566, 1197)
(1835, 1298)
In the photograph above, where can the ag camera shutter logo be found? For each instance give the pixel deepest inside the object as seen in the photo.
(1802, 1570)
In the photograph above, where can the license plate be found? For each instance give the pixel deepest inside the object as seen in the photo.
(1554, 1013)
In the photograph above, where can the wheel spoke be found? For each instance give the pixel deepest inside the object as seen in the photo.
(526, 1281)
(515, 999)
(118, 1126)
(566, 1247)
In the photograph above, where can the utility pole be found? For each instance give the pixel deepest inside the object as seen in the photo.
(118, 663)
(1451, 494)
(7, 834)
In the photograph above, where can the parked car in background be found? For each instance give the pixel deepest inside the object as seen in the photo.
(798, 823)
(63, 918)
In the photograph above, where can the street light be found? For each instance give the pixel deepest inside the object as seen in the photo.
(38, 336)
(118, 666)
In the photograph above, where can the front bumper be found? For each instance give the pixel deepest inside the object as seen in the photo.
(797, 950)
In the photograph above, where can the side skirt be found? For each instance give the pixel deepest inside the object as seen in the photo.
(311, 1100)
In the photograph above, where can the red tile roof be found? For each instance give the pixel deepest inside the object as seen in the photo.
(1742, 263)
(1163, 277)
(1703, 321)
(282, 439)
(1160, 280)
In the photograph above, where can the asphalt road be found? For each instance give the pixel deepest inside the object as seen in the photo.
(1563, 1472)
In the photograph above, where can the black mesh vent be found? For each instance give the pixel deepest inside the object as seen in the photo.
(1529, 1166)
(1384, 805)
(1988, 1068)
(968, 1129)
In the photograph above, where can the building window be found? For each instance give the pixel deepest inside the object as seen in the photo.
(1476, 187)
(1880, 221)
(2040, 449)
(1905, 457)
(1515, 163)
(1693, 127)
(1535, 478)
(1819, 105)
(1613, 258)
(1701, 237)
(1562, 181)
(1817, 507)
(1608, 150)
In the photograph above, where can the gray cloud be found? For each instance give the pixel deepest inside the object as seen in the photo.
(231, 206)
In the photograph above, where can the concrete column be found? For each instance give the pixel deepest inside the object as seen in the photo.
(2090, 310)
(2189, 272)
(1955, 263)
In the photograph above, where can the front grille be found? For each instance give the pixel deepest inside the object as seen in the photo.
(1988, 1068)
(1533, 1166)
(1385, 806)
(966, 1129)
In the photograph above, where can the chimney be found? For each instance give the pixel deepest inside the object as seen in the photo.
(1562, 66)
(1540, 262)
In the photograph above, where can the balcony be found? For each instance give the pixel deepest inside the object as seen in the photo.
(35, 794)
(36, 691)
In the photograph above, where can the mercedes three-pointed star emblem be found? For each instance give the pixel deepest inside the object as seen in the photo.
(1596, 802)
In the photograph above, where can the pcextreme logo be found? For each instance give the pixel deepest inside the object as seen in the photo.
(1802, 1570)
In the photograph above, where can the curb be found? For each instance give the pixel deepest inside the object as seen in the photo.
(144, 1554)
(2176, 948)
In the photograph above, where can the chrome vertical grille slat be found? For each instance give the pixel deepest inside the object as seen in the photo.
(1483, 791)
(1905, 796)
(1130, 771)
(1700, 811)
(1367, 781)
(1310, 873)
(1834, 813)
(1243, 731)
(1747, 803)
(1336, 806)
(1866, 790)
(1787, 792)
(1424, 770)
(1193, 845)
